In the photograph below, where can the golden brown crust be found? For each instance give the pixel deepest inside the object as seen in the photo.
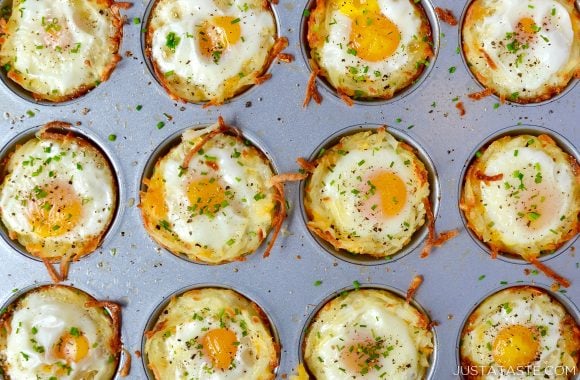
(126, 369)
(114, 315)
(198, 294)
(550, 272)
(107, 70)
(446, 15)
(474, 16)
(280, 44)
(151, 224)
(480, 94)
(470, 200)
(60, 131)
(569, 329)
(316, 30)
(415, 283)
(311, 88)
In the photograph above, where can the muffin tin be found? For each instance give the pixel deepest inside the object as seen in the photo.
(131, 269)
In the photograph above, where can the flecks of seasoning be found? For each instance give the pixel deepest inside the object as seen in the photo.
(317, 283)
(248, 104)
(112, 137)
(139, 107)
(452, 69)
(30, 113)
(168, 116)
(85, 111)
(481, 277)
(160, 125)
(356, 285)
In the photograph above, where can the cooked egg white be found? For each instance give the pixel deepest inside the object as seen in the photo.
(212, 334)
(210, 50)
(368, 333)
(367, 194)
(525, 51)
(51, 333)
(517, 328)
(532, 206)
(370, 49)
(60, 49)
(218, 207)
(58, 195)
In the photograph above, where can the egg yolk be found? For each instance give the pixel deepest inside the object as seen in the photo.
(56, 33)
(221, 346)
(373, 36)
(217, 34)
(71, 348)
(515, 346)
(527, 26)
(391, 190)
(361, 356)
(206, 195)
(55, 209)
(537, 204)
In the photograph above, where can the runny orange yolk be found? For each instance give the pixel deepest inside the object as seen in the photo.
(71, 348)
(55, 210)
(391, 190)
(515, 346)
(373, 36)
(217, 34)
(205, 194)
(220, 346)
(527, 26)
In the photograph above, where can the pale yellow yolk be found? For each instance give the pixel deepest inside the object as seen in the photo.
(392, 192)
(361, 355)
(217, 34)
(205, 195)
(515, 346)
(71, 348)
(220, 345)
(373, 36)
(55, 210)
(538, 205)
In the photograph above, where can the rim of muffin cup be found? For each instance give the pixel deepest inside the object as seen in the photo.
(559, 296)
(173, 140)
(147, 57)
(159, 307)
(429, 10)
(13, 143)
(433, 358)
(21, 93)
(569, 87)
(418, 236)
(17, 294)
(517, 130)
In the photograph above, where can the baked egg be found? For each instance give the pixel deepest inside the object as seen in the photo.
(212, 333)
(60, 49)
(523, 51)
(59, 332)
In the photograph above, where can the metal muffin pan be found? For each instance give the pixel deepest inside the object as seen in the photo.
(131, 269)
